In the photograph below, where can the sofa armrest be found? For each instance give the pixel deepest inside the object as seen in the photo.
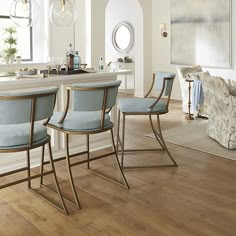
(232, 90)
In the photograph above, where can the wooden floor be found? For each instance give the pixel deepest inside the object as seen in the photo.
(196, 198)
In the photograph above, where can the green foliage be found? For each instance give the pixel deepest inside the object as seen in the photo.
(9, 51)
(10, 30)
(10, 42)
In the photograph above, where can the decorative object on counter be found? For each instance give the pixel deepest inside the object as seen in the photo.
(27, 71)
(69, 50)
(55, 64)
(127, 60)
(71, 62)
(70, 57)
(70, 72)
(76, 61)
(10, 42)
(63, 13)
(101, 64)
(18, 59)
(24, 13)
(83, 65)
(120, 60)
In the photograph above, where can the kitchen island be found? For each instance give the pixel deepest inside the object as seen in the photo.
(13, 161)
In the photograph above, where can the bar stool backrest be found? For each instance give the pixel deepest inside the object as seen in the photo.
(24, 106)
(94, 97)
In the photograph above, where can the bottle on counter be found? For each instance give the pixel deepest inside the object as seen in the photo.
(70, 57)
(101, 64)
(77, 60)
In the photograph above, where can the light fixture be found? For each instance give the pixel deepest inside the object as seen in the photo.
(62, 12)
(164, 34)
(24, 13)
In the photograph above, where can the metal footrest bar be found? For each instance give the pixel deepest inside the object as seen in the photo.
(49, 201)
(13, 171)
(142, 150)
(147, 166)
(63, 158)
(96, 172)
(91, 159)
(25, 179)
(65, 198)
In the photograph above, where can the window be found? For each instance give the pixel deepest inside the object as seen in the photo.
(23, 35)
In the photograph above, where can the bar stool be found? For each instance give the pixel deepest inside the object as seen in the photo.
(20, 130)
(150, 107)
(91, 105)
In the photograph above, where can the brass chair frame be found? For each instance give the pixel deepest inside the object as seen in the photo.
(29, 147)
(156, 131)
(69, 156)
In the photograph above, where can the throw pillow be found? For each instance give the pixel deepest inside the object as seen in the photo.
(233, 90)
(232, 82)
(199, 75)
(190, 69)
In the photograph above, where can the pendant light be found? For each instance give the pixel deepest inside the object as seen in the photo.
(24, 13)
(62, 12)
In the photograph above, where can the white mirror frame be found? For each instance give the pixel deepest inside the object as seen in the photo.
(131, 42)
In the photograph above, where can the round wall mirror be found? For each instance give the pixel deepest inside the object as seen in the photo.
(123, 37)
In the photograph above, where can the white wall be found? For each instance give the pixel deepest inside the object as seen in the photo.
(61, 37)
(128, 11)
(161, 47)
(138, 13)
(116, 12)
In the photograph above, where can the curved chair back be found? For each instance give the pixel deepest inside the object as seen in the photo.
(164, 81)
(24, 106)
(95, 97)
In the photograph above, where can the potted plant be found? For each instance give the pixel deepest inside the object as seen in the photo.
(10, 42)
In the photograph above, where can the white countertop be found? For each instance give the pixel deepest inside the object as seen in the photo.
(8, 83)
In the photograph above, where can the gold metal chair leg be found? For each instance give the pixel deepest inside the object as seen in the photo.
(52, 171)
(118, 132)
(117, 161)
(159, 138)
(42, 165)
(28, 169)
(56, 180)
(156, 133)
(70, 171)
(163, 141)
(88, 149)
(97, 172)
(123, 142)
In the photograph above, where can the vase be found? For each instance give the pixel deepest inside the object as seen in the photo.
(18, 60)
(6, 60)
(11, 59)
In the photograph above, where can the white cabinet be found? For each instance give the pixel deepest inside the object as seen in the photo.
(128, 80)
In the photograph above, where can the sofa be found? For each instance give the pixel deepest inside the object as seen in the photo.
(222, 111)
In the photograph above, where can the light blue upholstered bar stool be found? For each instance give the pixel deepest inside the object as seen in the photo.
(150, 107)
(91, 105)
(21, 130)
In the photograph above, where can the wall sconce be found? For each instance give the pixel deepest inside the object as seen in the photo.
(163, 28)
(63, 12)
(24, 13)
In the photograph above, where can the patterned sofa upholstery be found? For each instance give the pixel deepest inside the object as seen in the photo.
(194, 72)
(222, 111)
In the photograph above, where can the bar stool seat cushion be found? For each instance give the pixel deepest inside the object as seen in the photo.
(15, 135)
(80, 120)
(140, 105)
